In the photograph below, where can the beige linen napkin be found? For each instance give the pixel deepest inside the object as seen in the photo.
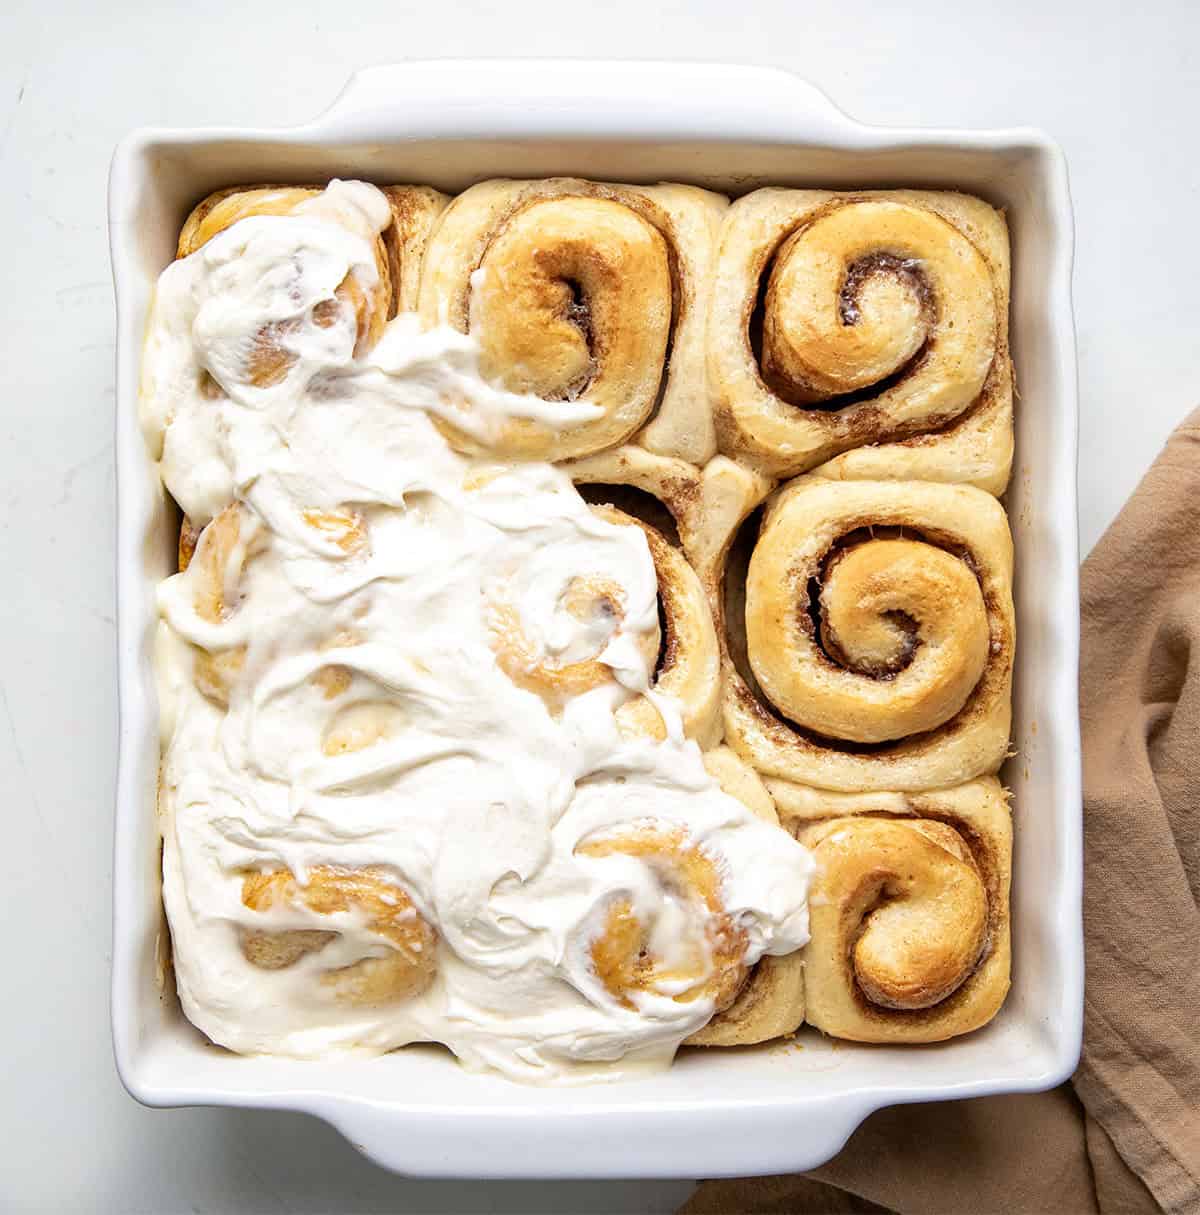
(1125, 1136)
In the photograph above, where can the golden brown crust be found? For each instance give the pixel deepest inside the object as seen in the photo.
(937, 717)
(909, 909)
(222, 208)
(769, 1005)
(884, 335)
(415, 212)
(589, 291)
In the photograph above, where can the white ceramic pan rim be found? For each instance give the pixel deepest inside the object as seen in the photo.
(754, 1110)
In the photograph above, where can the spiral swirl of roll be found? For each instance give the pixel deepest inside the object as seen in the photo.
(682, 655)
(582, 292)
(900, 641)
(913, 908)
(595, 605)
(704, 962)
(843, 322)
(409, 962)
(908, 911)
(858, 293)
(878, 641)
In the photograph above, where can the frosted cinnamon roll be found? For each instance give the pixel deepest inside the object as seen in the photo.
(869, 634)
(584, 293)
(687, 666)
(866, 330)
(769, 1002)
(271, 355)
(695, 950)
(678, 649)
(399, 252)
(384, 912)
(216, 557)
(560, 632)
(909, 909)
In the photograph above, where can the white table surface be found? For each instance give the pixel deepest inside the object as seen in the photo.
(1119, 87)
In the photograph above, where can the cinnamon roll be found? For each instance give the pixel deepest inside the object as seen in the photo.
(909, 909)
(583, 292)
(680, 649)
(868, 634)
(409, 960)
(270, 356)
(703, 957)
(415, 212)
(400, 249)
(866, 333)
(216, 557)
(687, 668)
(769, 1003)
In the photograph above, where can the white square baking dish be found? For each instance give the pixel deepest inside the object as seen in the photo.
(750, 1110)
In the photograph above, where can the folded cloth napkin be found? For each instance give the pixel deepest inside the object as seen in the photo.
(1125, 1134)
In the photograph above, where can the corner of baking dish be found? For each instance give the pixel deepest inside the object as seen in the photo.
(756, 1110)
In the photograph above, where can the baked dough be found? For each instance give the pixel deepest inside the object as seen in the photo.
(878, 637)
(866, 332)
(909, 909)
(584, 291)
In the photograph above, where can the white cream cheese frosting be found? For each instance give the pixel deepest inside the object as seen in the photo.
(369, 724)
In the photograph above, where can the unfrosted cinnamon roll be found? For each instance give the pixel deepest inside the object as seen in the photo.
(867, 330)
(869, 634)
(908, 911)
(583, 291)
(387, 914)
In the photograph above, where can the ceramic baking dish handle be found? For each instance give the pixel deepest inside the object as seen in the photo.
(491, 99)
(623, 1141)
